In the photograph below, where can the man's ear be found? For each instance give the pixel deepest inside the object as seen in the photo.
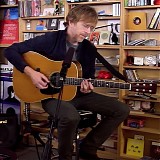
(71, 21)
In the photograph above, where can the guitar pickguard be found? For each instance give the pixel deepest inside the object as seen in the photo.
(50, 90)
(54, 85)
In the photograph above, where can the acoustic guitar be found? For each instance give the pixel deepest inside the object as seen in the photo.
(27, 91)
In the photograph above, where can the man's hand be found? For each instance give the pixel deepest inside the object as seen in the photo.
(38, 79)
(86, 86)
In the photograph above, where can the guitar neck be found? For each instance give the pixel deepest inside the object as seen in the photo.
(98, 83)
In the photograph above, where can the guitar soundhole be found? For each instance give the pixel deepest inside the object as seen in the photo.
(54, 85)
(55, 80)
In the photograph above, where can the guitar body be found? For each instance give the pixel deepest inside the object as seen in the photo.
(27, 91)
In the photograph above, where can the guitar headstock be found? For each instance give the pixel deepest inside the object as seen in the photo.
(144, 87)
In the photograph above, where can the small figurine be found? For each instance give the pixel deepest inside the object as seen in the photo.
(56, 7)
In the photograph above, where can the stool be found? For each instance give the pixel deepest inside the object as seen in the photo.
(88, 120)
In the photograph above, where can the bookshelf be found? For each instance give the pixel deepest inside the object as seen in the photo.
(106, 50)
(106, 17)
(121, 50)
(3, 46)
(151, 121)
(34, 21)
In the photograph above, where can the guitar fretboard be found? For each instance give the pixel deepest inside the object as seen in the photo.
(97, 83)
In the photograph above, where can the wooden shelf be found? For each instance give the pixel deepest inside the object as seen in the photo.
(108, 46)
(140, 99)
(42, 17)
(142, 67)
(143, 72)
(142, 30)
(142, 7)
(108, 154)
(39, 31)
(4, 45)
(144, 129)
(108, 17)
(125, 156)
(139, 114)
(148, 48)
(96, 3)
(8, 6)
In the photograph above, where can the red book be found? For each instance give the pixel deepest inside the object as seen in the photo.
(9, 31)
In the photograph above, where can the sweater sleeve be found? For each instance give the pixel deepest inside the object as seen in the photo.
(40, 44)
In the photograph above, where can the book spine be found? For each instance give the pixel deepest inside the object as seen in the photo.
(154, 19)
(125, 3)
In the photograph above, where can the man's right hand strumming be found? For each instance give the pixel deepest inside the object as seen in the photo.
(38, 79)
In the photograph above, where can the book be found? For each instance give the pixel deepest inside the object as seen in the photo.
(155, 149)
(11, 13)
(52, 24)
(135, 147)
(9, 31)
(61, 25)
(28, 8)
(21, 8)
(154, 19)
(48, 11)
(8, 99)
(40, 25)
(104, 37)
(157, 24)
(36, 7)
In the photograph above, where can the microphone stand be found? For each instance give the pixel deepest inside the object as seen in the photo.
(46, 155)
(47, 151)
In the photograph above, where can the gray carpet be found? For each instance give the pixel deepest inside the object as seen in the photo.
(30, 153)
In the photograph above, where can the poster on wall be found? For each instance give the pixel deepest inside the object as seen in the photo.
(9, 102)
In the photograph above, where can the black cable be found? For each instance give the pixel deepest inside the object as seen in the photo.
(2, 97)
(37, 148)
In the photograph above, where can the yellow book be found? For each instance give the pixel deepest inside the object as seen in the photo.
(135, 147)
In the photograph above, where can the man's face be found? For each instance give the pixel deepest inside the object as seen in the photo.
(81, 30)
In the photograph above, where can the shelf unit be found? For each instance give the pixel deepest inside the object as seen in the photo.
(3, 46)
(149, 131)
(105, 50)
(34, 21)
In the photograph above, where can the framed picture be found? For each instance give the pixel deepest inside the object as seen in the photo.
(52, 24)
(94, 38)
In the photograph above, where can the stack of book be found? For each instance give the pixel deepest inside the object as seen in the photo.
(29, 8)
(132, 75)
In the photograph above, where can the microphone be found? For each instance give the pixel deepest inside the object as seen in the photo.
(67, 62)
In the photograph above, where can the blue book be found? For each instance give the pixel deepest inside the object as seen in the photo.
(11, 13)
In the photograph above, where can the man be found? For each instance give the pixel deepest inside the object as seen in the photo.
(80, 22)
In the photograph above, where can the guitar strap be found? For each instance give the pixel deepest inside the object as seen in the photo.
(110, 67)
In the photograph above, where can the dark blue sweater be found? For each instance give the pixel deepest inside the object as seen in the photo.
(53, 46)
